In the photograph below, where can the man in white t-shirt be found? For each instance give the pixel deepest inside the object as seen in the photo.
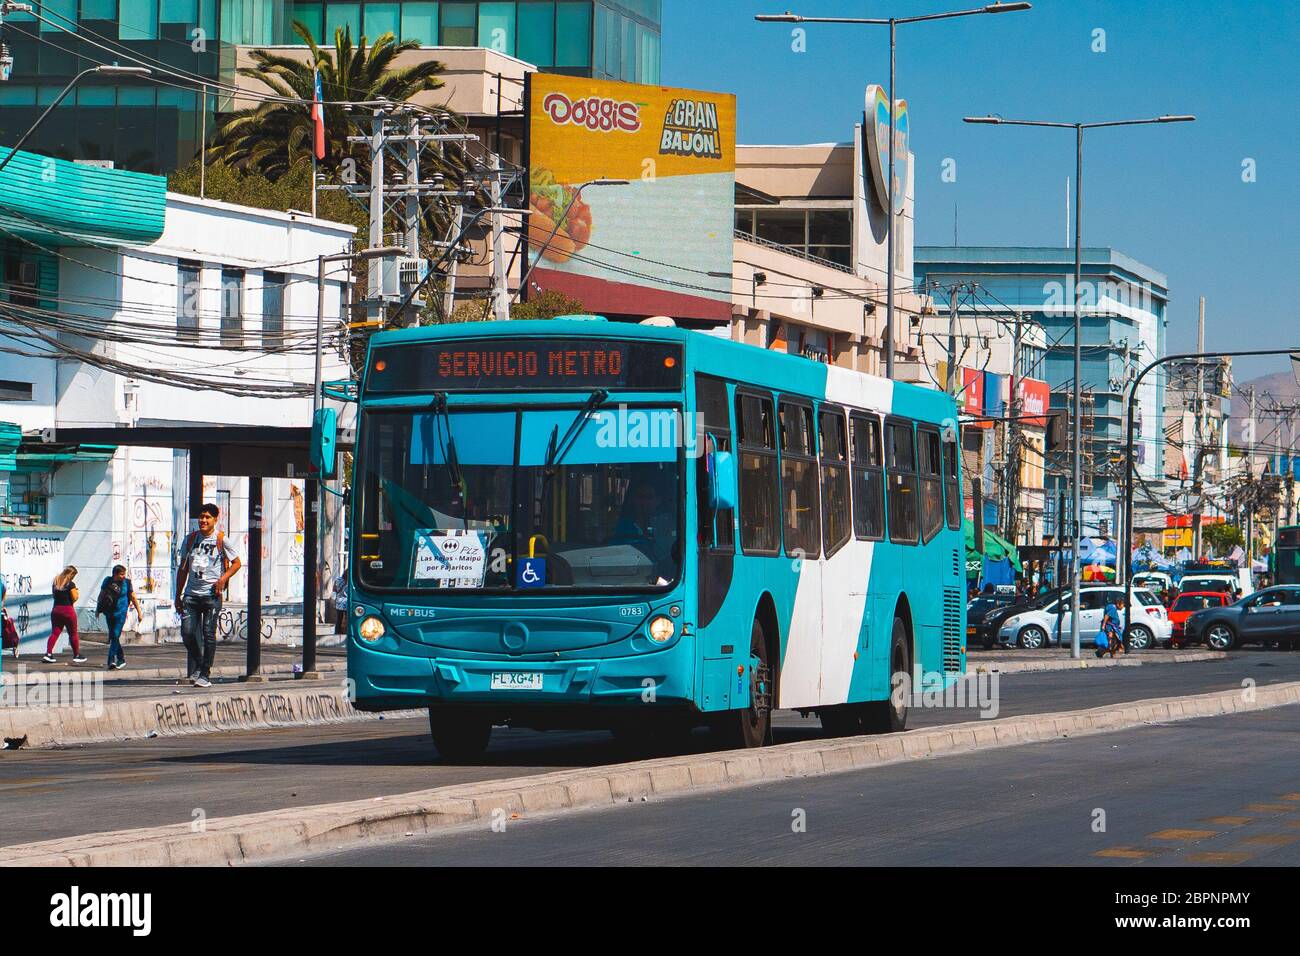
(208, 562)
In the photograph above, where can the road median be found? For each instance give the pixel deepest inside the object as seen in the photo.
(95, 718)
(280, 834)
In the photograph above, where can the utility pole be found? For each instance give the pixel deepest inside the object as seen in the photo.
(1199, 411)
(952, 340)
(500, 292)
(1250, 477)
(1013, 440)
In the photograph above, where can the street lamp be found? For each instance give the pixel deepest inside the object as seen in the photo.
(892, 23)
(102, 70)
(523, 283)
(379, 252)
(1076, 496)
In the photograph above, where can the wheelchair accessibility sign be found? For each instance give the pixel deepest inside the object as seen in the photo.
(531, 573)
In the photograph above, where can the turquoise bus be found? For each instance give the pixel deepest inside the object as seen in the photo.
(577, 523)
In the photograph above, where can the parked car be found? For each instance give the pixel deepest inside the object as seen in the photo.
(1268, 616)
(989, 631)
(1202, 583)
(1187, 604)
(982, 612)
(1153, 581)
(1147, 625)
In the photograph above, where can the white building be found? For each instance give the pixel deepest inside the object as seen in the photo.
(210, 322)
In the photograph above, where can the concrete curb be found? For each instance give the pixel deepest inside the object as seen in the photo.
(1026, 667)
(32, 677)
(282, 833)
(250, 707)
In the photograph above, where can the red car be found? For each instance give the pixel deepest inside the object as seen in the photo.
(1185, 605)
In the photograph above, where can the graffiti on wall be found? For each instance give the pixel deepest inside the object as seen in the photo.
(28, 564)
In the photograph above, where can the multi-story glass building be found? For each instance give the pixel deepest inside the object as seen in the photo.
(156, 125)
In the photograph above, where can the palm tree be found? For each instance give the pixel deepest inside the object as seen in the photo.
(272, 137)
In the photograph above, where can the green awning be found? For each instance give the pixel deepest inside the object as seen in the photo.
(11, 436)
(56, 202)
(996, 548)
(35, 457)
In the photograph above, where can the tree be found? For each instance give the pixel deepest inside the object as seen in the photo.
(290, 191)
(272, 137)
(1222, 538)
(547, 306)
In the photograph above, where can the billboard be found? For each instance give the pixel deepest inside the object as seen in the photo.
(644, 248)
(1035, 398)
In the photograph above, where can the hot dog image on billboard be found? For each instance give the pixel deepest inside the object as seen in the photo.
(646, 245)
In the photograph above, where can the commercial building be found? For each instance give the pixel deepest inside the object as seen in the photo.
(1124, 306)
(195, 46)
(127, 309)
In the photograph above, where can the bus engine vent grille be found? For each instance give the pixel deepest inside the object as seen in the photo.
(951, 631)
(956, 565)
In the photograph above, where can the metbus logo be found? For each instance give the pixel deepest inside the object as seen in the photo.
(595, 112)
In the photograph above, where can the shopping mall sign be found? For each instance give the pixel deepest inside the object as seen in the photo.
(876, 129)
(660, 245)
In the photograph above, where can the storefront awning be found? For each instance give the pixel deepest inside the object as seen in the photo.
(55, 202)
(996, 548)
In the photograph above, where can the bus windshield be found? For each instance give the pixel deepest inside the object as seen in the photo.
(453, 500)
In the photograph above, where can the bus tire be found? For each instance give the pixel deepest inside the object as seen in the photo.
(751, 726)
(890, 716)
(459, 737)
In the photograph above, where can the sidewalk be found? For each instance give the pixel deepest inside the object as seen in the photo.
(1015, 660)
(167, 661)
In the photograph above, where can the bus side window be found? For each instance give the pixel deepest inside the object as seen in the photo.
(760, 531)
(716, 530)
(952, 484)
(900, 450)
(799, 493)
(836, 512)
(868, 480)
(931, 483)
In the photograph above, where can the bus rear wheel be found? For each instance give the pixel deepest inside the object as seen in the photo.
(890, 716)
(752, 726)
(459, 737)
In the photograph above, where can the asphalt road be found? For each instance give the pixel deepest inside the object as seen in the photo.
(1210, 792)
(53, 793)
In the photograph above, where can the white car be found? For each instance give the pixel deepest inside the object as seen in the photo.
(1036, 628)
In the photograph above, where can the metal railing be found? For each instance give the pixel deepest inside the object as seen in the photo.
(792, 251)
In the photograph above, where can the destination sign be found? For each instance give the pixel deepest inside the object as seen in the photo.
(538, 364)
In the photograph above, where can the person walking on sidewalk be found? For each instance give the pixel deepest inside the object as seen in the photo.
(208, 562)
(64, 615)
(116, 597)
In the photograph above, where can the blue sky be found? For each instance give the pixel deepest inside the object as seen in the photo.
(1170, 196)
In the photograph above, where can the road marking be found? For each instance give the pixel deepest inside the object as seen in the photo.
(1182, 834)
(1229, 821)
(1124, 853)
(1270, 807)
(1272, 839)
(1291, 796)
(1219, 857)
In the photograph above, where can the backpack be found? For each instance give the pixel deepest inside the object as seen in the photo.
(10, 639)
(109, 594)
(187, 551)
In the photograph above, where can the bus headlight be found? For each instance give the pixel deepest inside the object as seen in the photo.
(371, 630)
(662, 630)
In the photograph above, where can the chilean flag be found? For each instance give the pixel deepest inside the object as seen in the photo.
(318, 117)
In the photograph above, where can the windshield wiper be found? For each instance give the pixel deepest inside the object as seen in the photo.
(449, 444)
(555, 451)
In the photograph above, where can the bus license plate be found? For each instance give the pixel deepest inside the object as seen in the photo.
(516, 680)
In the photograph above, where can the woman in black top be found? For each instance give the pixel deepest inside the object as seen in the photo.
(64, 615)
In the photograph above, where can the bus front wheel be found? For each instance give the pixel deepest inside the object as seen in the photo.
(752, 726)
(459, 737)
(890, 716)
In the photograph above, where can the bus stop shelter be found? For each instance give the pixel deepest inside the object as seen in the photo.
(250, 451)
